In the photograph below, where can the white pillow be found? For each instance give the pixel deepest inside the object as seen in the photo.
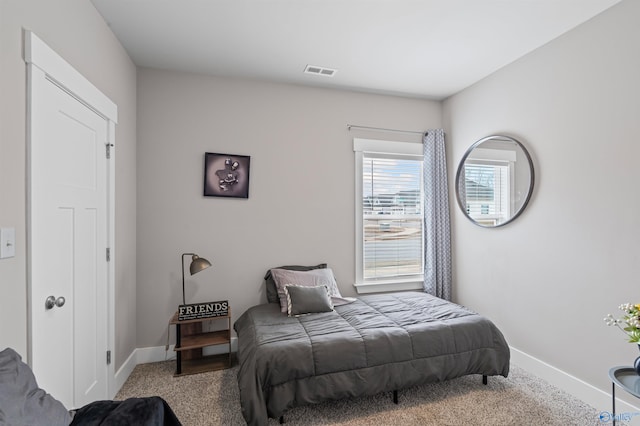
(313, 278)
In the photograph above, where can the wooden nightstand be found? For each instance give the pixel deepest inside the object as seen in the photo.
(190, 339)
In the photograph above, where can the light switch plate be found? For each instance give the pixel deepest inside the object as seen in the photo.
(7, 242)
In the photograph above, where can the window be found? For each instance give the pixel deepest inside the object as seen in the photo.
(488, 189)
(487, 192)
(389, 216)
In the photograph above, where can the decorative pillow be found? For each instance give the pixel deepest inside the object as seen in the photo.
(272, 291)
(23, 402)
(315, 277)
(302, 300)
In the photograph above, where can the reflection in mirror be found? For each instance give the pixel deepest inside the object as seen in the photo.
(494, 181)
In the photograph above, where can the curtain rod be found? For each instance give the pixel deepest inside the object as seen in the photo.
(354, 126)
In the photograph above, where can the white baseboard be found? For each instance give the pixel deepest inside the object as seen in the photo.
(124, 372)
(582, 390)
(157, 354)
(154, 354)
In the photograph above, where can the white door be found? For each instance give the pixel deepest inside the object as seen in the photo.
(68, 238)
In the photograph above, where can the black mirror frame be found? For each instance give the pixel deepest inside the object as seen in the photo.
(461, 165)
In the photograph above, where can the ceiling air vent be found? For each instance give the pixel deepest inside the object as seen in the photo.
(312, 69)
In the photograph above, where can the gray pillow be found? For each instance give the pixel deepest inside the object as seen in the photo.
(312, 278)
(272, 292)
(303, 300)
(22, 402)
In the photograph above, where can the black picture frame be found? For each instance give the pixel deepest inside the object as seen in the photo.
(226, 175)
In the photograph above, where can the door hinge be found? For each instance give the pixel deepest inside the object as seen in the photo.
(108, 357)
(108, 254)
(108, 147)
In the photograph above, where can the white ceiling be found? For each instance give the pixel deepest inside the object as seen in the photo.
(421, 48)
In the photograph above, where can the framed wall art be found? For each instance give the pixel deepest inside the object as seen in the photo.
(226, 175)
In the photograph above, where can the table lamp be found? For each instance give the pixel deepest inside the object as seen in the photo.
(197, 264)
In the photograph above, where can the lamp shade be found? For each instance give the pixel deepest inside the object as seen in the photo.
(198, 264)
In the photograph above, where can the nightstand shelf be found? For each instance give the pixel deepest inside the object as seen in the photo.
(204, 364)
(190, 340)
(201, 340)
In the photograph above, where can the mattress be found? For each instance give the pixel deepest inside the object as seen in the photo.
(377, 343)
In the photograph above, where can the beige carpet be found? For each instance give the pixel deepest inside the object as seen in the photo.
(521, 399)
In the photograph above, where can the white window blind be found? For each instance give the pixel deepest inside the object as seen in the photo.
(392, 219)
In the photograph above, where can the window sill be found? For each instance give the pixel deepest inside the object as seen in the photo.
(386, 286)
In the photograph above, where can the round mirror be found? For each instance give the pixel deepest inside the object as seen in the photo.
(494, 181)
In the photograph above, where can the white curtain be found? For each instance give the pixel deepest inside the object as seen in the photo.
(437, 229)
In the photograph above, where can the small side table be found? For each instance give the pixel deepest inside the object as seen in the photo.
(628, 380)
(196, 340)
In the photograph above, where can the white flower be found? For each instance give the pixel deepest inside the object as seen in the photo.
(629, 323)
(609, 320)
(626, 307)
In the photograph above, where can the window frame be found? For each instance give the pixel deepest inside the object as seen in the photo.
(380, 148)
(503, 199)
(500, 158)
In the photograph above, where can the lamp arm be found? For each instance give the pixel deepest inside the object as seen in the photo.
(182, 259)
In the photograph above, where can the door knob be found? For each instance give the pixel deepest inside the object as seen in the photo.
(51, 302)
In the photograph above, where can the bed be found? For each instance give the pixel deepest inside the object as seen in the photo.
(373, 344)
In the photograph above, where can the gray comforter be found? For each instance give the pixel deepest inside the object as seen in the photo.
(377, 343)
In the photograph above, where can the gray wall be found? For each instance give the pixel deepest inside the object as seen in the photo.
(78, 33)
(550, 277)
(300, 207)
